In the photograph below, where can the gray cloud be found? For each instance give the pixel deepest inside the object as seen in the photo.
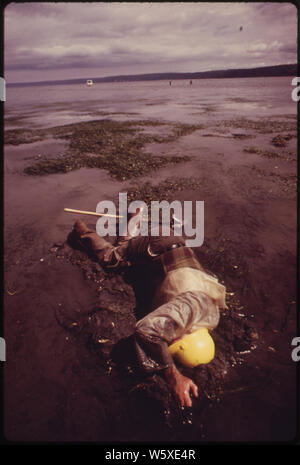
(67, 39)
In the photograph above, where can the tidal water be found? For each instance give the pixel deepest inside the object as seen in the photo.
(53, 105)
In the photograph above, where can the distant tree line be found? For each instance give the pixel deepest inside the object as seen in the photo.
(266, 71)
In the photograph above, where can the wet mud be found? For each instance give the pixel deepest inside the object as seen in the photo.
(72, 373)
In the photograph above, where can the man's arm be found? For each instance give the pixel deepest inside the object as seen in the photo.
(181, 385)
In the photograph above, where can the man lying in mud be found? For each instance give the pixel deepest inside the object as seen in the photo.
(184, 298)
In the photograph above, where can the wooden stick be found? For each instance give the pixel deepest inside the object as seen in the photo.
(71, 210)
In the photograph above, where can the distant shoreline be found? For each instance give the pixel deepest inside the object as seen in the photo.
(266, 71)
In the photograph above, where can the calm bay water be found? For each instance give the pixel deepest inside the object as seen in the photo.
(44, 106)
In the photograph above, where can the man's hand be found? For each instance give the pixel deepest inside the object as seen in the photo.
(181, 385)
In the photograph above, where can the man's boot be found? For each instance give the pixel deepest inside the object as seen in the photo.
(95, 245)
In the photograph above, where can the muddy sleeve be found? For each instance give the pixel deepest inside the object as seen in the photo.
(182, 315)
(124, 253)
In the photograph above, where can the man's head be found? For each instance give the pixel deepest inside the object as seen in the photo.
(194, 349)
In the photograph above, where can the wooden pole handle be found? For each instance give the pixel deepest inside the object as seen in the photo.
(83, 212)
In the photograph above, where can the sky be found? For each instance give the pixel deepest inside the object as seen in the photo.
(49, 41)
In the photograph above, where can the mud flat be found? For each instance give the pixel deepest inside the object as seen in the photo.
(70, 373)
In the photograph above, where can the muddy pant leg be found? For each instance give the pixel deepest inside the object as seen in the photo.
(182, 315)
(112, 257)
(107, 254)
(95, 245)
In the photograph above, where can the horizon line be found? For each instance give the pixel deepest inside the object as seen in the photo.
(166, 73)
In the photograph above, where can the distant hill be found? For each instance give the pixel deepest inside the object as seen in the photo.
(266, 71)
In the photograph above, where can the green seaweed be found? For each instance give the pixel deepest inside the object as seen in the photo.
(164, 190)
(261, 126)
(112, 145)
(281, 140)
(266, 153)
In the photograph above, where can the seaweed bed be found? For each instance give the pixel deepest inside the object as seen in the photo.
(265, 153)
(112, 145)
(261, 126)
(281, 140)
(165, 190)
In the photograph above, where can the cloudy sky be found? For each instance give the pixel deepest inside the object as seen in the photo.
(73, 40)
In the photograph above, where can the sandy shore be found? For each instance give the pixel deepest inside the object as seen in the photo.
(62, 384)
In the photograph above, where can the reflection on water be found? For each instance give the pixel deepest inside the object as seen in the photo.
(245, 106)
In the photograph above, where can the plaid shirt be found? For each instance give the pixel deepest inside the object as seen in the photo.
(177, 271)
(178, 258)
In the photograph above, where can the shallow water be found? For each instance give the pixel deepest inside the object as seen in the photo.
(205, 98)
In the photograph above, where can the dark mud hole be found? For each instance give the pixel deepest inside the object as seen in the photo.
(99, 320)
(102, 395)
(70, 323)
